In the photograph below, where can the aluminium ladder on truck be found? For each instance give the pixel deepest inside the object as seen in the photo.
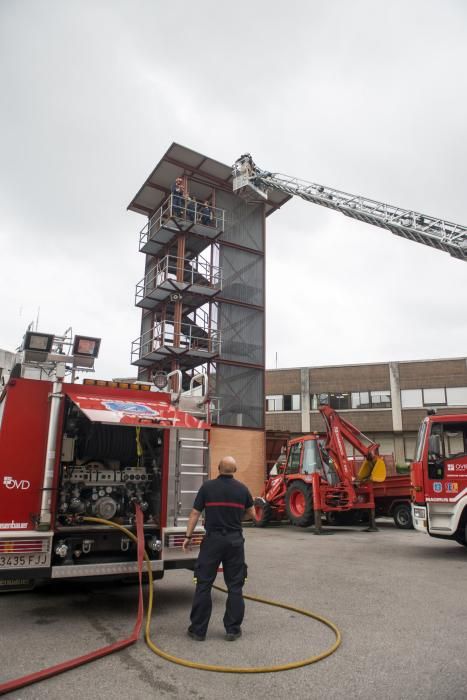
(188, 469)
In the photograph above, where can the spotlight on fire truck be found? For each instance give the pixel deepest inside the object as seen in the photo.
(85, 351)
(160, 379)
(36, 346)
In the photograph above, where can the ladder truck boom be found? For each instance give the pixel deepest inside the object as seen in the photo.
(253, 183)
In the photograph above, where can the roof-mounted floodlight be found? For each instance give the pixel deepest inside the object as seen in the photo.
(85, 351)
(87, 346)
(160, 379)
(36, 346)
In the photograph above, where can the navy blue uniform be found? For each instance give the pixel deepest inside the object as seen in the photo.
(224, 501)
(178, 200)
(206, 215)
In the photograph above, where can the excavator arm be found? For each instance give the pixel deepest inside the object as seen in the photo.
(339, 431)
(252, 183)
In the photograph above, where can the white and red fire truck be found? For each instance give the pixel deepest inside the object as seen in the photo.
(439, 478)
(70, 450)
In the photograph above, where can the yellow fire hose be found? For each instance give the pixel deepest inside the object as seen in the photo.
(225, 669)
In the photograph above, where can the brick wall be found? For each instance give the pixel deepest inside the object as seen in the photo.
(366, 421)
(282, 381)
(349, 378)
(291, 422)
(433, 374)
(249, 450)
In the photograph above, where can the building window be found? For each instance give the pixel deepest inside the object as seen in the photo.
(274, 403)
(291, 402)
(286, 402)
(318, 400)
(355, 399)
(456, 395)
(361, 399)
(340, 401)
(380, 399)
(371, 399)
(418, 398)
(411, 398)
(434, 397)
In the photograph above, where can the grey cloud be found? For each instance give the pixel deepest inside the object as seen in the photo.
(368, 96)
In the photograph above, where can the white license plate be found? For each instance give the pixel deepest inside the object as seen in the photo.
(27, 561)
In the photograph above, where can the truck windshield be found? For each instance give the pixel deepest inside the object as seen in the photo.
(453, 438)
(420, 441)
(311, 458)
(293, 462)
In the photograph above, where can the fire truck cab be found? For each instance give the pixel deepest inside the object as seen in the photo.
(439, 478)
(70, 451)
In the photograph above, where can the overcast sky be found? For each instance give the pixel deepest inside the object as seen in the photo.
(367, 96)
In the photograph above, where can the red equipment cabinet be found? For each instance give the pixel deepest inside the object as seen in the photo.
(439, 478)
(114, 446)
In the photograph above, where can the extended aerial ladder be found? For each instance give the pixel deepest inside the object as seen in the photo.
(252, 183)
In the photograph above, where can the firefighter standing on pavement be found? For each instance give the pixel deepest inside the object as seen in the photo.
(224, 501)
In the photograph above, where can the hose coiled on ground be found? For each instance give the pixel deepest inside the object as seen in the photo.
(37, 676)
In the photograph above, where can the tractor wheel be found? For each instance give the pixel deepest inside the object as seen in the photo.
(263, 512)
(402, 515)
(299, 504)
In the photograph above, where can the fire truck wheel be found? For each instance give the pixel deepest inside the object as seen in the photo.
(262, 512)
(403, 516)
(461, 535)
(299, 504)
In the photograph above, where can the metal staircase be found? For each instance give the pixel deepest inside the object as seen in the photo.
(178, 292)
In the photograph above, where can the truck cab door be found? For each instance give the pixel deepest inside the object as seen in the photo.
(294, 460)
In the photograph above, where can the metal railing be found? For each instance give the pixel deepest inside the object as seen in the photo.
(187, 212)
(200, 318)
(196, 271)
(191, 338)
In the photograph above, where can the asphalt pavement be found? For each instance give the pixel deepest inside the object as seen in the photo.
(399, 598)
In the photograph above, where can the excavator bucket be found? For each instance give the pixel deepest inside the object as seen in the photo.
(378, 473)
(365, 470)
(374, 472)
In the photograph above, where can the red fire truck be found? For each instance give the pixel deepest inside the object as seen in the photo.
(70, 450)
(439, 478)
